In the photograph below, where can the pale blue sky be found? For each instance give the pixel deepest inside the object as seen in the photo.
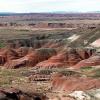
(49, 5)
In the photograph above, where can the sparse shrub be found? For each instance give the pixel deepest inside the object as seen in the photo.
(2, 45)
(97, 73)
(24, 30)
(45, 71)
(46, 51)
(86, 68)
(68, 72)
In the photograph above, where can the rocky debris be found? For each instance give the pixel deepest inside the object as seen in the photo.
(31, 59)
(61, 98)
(94, 93)
(38, 77)
(92, 61)
(80, 95)
(62, 83)
(15, 94)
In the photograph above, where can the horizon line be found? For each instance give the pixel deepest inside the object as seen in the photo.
(58, 12)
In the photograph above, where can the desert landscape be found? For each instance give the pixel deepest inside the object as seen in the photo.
(46, 56)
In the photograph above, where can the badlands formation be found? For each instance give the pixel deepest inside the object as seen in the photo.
(50, 61)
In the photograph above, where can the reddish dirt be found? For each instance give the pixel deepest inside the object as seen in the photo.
(92, 61)
(7, 54)
(61, 83)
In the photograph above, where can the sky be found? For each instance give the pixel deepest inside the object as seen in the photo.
(26, 6)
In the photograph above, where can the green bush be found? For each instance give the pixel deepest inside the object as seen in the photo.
(45, 72)
(2, 45)
(68, 72)
(97, 73)
(86, 68)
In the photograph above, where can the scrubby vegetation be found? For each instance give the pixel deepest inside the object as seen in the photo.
(9, 77)
(87, 68)
(96, 73)
(2, 45)
(45, 71)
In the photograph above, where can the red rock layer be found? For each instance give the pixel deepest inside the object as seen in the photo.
(66, 59)
(7, 54)
(92, 61)
(44, 57)
(74, 83)
(31, 59)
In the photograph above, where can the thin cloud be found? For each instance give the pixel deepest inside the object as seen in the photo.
(49, 5)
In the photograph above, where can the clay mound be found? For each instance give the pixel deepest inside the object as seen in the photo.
(31, 59)
(23, 51)
(16, 63)
(92, 61)
(68, 58)
(7, 54)
(55, 61)
(74, 83)
(25, 56)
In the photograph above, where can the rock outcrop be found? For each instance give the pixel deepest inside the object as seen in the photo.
(80, 95)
